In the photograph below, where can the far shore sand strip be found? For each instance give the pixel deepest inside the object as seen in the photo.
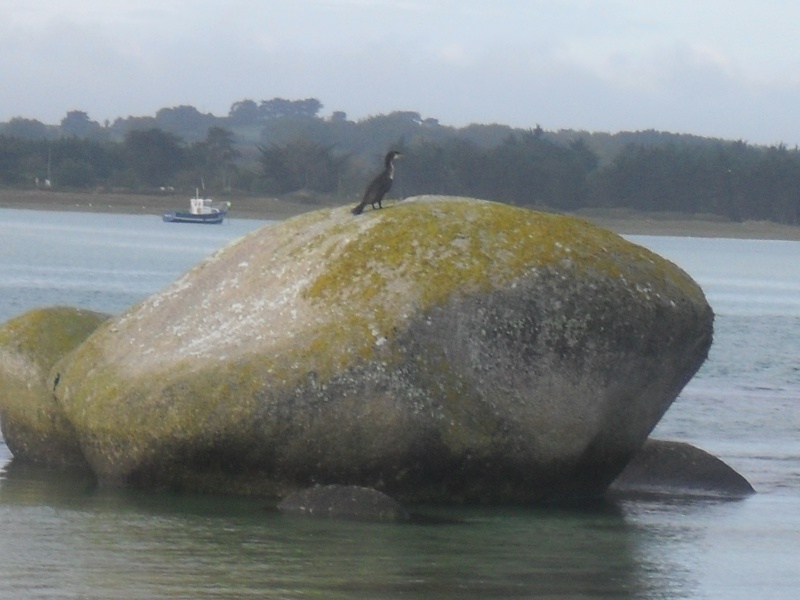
(277, 209)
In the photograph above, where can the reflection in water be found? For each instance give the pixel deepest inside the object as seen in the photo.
(125, 544)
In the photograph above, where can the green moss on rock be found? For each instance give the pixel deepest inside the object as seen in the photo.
(33, 424)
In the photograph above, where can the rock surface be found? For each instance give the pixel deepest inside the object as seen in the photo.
(675, 468)
(344, 502)
(441, 349)
(34, 426)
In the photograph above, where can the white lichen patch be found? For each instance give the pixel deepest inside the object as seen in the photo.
(257, 306)
(19, 367)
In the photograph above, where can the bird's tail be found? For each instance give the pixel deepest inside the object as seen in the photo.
(359, 209)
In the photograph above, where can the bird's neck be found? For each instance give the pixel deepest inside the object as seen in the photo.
(390, 170)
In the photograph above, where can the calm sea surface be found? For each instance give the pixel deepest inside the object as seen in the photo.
(61, 538)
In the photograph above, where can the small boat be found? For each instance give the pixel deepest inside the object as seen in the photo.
(201, 210)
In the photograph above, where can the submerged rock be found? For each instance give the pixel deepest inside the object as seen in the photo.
(344, 502)
(442, 349)
(33, 424)
(676, 468)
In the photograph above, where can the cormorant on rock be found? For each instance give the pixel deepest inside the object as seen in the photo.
(380, 185)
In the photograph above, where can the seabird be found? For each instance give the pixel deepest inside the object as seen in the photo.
(380, 185)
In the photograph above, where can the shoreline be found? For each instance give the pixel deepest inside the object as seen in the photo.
(244, 207)
(277, 209)
(672, 226)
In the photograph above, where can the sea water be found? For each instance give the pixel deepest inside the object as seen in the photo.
(60, 537)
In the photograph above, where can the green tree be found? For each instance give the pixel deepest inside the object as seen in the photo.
(77, 123)
(244, 112)
(280, 108)
(154, 156)
(454, 167)
(74, 173)
(12, 151)
(185, 121)
(217, 156)
(302, 164)
(529, 169)
(30, 129)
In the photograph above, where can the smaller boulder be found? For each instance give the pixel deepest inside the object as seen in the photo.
(34, 425)
(676, 468)
(344, 502)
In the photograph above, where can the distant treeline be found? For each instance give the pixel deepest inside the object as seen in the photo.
(281, 146)
(733, 180)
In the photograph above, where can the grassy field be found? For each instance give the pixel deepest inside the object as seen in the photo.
(251, 207)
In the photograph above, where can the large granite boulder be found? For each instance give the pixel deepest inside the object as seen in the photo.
(441, 349)
(33, 424)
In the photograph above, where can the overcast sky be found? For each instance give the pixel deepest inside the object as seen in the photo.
(722, 68)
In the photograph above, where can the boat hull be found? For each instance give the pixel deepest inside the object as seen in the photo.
(213, 218)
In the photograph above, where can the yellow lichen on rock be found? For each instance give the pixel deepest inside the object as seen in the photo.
(426, 249)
